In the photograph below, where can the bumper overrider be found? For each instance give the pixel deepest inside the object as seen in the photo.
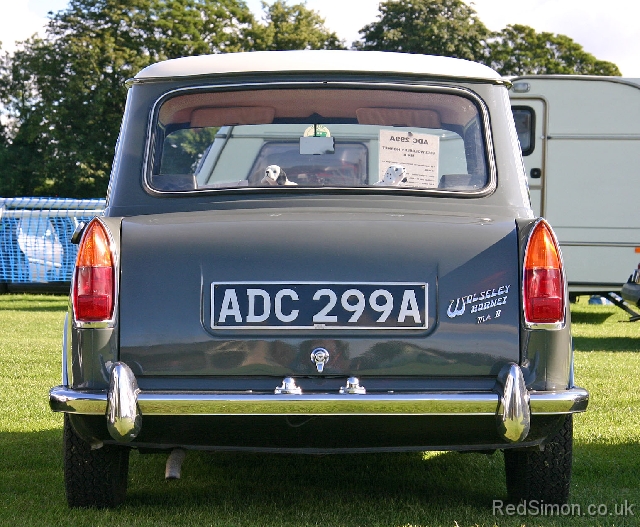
(124, 404)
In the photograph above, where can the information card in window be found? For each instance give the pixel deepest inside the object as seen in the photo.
(417, 153)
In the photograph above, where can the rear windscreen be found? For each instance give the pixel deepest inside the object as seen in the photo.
(349, 138)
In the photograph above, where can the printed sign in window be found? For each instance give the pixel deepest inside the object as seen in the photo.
(417, 153)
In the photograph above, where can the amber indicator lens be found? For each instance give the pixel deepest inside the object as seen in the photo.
(544, 301)
(93, 291)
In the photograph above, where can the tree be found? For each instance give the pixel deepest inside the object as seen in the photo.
(519, 50)
(432, 27)
(195, 27)
(451, 28)
(292, 27)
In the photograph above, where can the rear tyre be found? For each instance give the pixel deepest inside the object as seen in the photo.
(93, 478)
(542, 475)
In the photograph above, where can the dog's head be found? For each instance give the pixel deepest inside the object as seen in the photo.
(274, 175)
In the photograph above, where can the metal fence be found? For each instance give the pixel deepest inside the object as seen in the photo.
(35, 237)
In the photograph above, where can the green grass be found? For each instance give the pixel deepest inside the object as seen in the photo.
(288, 490)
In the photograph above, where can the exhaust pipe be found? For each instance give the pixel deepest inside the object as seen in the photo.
(174, 464)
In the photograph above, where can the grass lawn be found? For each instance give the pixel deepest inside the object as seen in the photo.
(225, 489)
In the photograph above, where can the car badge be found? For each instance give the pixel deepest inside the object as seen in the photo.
(452, 313)
(481, 301)
(320, 357)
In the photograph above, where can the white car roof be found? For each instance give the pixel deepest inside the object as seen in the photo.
(319, 60)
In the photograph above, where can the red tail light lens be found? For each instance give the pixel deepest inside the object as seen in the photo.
(94, 280)
(544, 301)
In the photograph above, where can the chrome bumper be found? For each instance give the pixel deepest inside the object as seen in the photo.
(124, 404)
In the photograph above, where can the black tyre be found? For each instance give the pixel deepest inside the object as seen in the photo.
(542, 475)
(93, 478)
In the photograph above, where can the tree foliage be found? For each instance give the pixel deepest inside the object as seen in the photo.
(519, 50)
(65, 92)
(451, 28)
(433, 27)
(292, 27)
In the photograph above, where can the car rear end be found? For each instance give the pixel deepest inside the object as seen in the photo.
(325, 262)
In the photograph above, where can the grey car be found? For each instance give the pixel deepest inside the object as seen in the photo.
(317, 252)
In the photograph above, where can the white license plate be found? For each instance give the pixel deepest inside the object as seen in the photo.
(318, 305)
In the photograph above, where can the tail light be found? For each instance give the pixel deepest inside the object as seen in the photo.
(93, 292)
(543, 288)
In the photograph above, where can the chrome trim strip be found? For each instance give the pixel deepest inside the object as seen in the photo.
(63, 399)
(65, 357)
(569, 77)
(543, 325)
(491, 186)
(600, 244)
(596, 137)
(433, 77)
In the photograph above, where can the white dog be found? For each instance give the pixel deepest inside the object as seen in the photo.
(274, 175)
(394, 175)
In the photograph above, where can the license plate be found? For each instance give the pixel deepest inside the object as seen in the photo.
(318, 305)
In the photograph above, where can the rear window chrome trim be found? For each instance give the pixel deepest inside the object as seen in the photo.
(396, 86)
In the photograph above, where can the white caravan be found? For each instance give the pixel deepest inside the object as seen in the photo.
(580, 139)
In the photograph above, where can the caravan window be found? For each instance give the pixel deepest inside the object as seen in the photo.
(524, 118)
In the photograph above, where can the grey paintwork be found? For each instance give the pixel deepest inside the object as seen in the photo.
(169, 283)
